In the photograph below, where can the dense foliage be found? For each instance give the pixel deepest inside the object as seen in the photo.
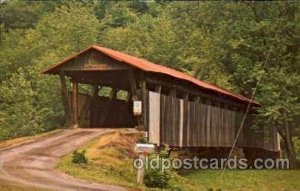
(233, 44)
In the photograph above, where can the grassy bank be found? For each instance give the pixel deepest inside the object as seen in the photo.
(111, 162)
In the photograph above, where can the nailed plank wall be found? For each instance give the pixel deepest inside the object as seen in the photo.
(186, 123)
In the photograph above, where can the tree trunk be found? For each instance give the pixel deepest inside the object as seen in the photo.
(289, 144)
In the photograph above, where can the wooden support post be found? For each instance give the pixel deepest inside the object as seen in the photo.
(113, 94)
(144, 105)
(66, 101)
(135, 96)
(128, 97)
(75, 103)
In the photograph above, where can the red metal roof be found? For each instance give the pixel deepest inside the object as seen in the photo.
(148, 66)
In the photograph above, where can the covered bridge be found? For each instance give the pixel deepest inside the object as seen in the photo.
(175, 108)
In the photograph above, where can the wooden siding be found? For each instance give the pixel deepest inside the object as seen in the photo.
(186, 123)
(93, 61)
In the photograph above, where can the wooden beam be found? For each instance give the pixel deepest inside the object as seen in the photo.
(128, 97)
(75, 103)
(66, 101)
(144, 105)
(133, 85)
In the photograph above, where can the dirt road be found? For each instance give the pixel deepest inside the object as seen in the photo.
(32, 165)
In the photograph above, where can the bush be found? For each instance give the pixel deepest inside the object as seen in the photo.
(79, 157)
(142, 140)
(158, 177)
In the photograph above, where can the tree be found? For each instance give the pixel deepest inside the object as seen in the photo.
(30, 103)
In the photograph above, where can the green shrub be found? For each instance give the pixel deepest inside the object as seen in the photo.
(142, 140)
(79, 157)
(158, 177)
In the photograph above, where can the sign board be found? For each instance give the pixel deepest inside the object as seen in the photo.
(144, 148)
(137, 107)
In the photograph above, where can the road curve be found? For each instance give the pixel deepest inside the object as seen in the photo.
(32, 165)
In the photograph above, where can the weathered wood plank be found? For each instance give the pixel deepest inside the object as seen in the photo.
(154, 118)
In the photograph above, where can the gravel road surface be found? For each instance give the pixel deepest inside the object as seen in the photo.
(32, 165)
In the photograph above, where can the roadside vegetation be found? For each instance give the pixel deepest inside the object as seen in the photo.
(110, 161)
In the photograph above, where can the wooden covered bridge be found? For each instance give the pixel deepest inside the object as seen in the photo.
(176, 109)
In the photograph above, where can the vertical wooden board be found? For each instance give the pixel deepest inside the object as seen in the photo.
(192, 124)
(212, 126)
(218, 125)
(178, 132)
(173, 121)
(232, 126)
(187, 123)
(214, 121)
(169, 120)
(162, 120)
(204, 124)
(181, 122)
(184, 133)
(226, 128)
(197, 124)
(221, 129)
(202, 114)
(229, 128)
(154, 118)
(238, 126)
(208, 124)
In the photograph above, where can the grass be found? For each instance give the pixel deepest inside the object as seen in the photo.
(111, 162)
(245, 180)
(21, 140)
